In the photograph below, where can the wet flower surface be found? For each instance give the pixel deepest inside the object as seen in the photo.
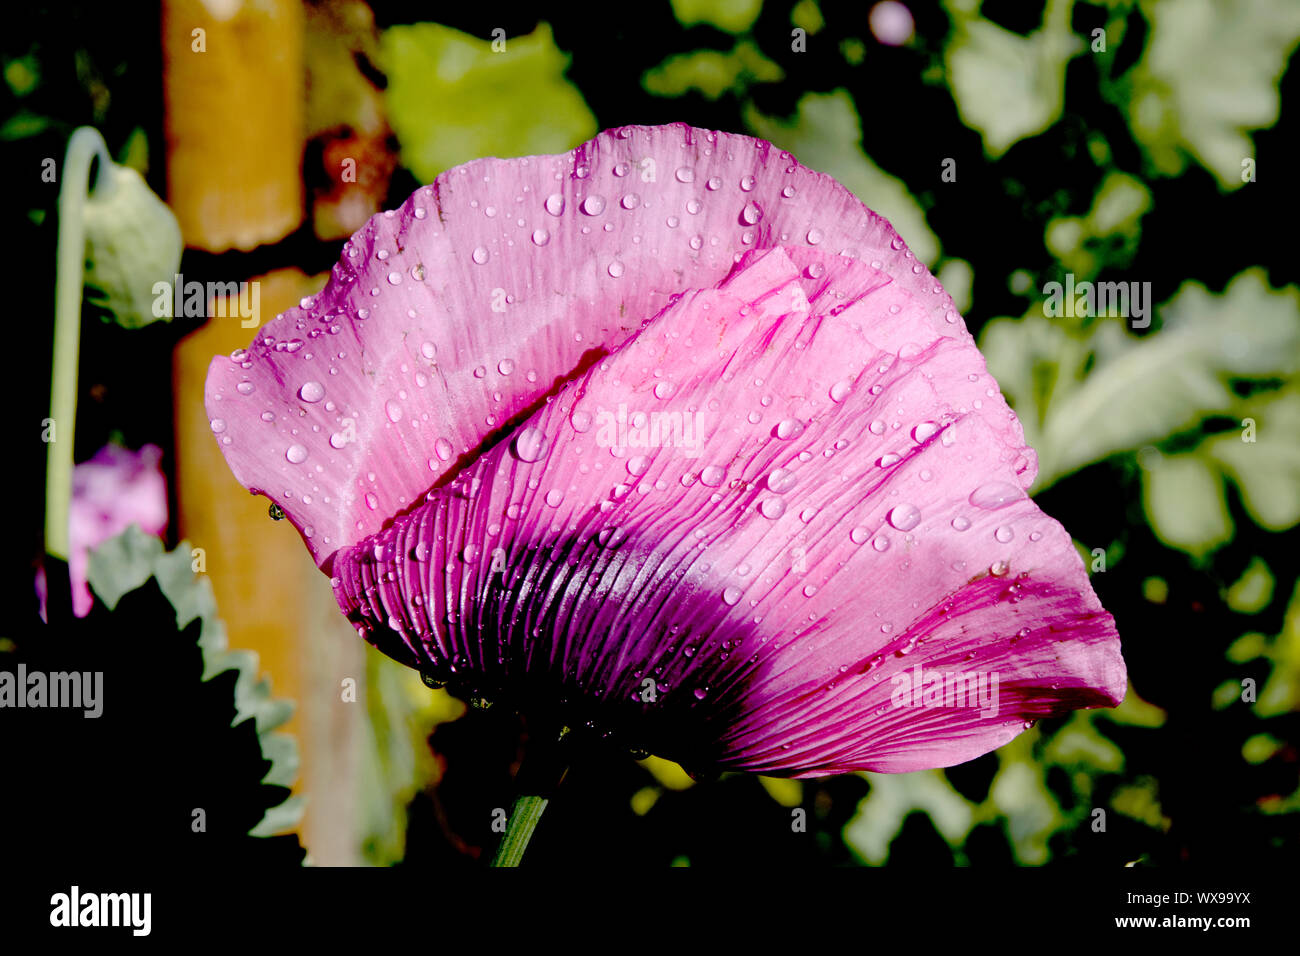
(672, 437)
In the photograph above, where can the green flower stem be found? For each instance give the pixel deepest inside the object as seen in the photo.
(85, 145)
(523, 820)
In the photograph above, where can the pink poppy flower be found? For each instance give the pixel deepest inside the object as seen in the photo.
(673, 438)
(111, 491)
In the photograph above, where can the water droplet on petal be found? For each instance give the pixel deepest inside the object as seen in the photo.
(996, 494)
(904, 517)
(311, 392)
(772, 508)
(781, 480)
(581, 420)
(218, 425)
(296, 454)
(960, 524)
(789, 428)
(531, 444)
(541, 237)
(593, 205)
(442, 448)
(712, 476)
(924, 431)
(731, 596)
(840, 391)
(1004, 534)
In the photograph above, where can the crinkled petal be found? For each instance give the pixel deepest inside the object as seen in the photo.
(450, 318)
(772, 503)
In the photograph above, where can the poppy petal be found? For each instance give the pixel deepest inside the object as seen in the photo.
(840, 497)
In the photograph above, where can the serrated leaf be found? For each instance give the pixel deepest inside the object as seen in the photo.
(125, 563)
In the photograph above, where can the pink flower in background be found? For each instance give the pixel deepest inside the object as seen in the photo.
(672, 438)
(110, 492)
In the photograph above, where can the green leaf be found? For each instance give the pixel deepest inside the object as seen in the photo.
(133, 242)
(451, 99)
(1253, 590)
(826, 135)
(1209, 74)
(712, 72)
(123, 564)
(1008, 86)
(734, 16)
(1184, 502)
(1267, 469)
(1086, 394)
(881, 812)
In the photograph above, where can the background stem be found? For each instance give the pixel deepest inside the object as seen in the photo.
(83, 147)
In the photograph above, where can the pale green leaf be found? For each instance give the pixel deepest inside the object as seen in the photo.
(451, 99)
(1209, 74)
(1008, 86)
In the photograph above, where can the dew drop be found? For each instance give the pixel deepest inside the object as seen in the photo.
(311, 392)
(904, 517)
(997, 494)
(593, 205)
(712, 476)
(840, 391)
(960, 524)
(479, 255)
(780, 480)
(772, 508)
(1004, 534)
(531, 445)
(731, 596)
(789, 428)
(442, 448)
(296, 454)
